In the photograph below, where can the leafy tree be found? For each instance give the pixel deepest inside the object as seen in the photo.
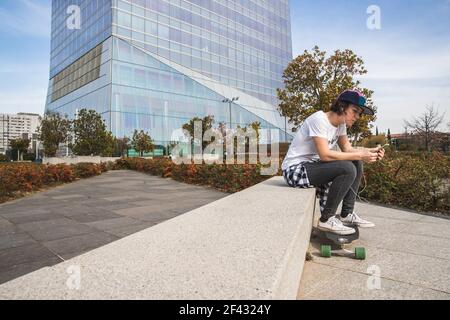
(19, 147)
(313, 82)
(53, 131)
(110, 142)
(207, 123)
(376, 132)
(389, 137)
(91, 136)
(257, 127)
(251, 141)
(142, 142)
(425, 126)
(123, 145)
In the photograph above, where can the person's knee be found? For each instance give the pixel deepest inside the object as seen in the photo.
(359, 165)
(348, 168)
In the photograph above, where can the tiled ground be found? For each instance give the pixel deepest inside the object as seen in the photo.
(408, 257)
(56, 225)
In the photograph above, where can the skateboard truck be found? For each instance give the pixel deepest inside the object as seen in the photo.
(340, 240)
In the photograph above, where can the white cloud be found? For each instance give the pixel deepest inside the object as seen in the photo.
(407, 71)
(395, 63)
(398, 101)
(31, 18)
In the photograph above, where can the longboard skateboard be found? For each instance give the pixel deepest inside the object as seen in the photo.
(338, 242)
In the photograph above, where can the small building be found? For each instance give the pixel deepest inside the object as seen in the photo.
(18, 126)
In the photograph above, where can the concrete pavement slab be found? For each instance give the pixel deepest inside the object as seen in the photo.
(19, 270)
(407, 251)
(60, 232)
(25, 217)
(129, 230)
(372, 210)
(46, 224)
(14, 240)
(82, 243)
(156, 216)
(94, 216)
(406, 267)
(24, 254)
(113, 223)
(331, 283)
(443, 220)
(7, 227)
(21, 211)
(432, 229)
(157, 207)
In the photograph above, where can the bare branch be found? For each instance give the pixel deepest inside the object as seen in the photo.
(426, 124)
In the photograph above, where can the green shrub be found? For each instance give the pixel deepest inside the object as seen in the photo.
(86, 170)
(415, 180)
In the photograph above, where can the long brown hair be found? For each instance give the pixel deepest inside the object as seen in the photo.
(340, 106)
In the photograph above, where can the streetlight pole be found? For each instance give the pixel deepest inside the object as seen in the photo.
(285, 129)
(229, 104)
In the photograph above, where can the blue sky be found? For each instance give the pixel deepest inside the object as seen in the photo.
(408, 59)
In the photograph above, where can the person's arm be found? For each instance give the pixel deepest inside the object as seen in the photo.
(327, 155)
(345, 146)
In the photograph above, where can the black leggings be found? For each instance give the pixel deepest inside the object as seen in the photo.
(345, 177)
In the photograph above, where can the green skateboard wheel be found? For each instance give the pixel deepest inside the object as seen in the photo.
(325, 251)
(360, 253)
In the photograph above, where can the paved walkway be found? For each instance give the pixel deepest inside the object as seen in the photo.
(56, 225)
(410, 252)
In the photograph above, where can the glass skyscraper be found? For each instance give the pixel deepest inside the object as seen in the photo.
(156, 64)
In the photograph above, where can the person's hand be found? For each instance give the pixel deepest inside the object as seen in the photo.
(380, 153)
(369, 155)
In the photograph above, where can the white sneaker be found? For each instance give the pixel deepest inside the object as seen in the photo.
(353, 218)
(335, 225)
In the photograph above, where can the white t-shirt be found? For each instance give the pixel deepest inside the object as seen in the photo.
(303, 149)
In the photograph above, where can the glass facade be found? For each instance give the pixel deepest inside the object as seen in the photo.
(155, 64)
(157, 98)
(69, 44)
(78, 74)
(241, 43)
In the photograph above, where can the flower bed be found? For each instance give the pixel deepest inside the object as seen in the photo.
(21, 178)
(228, 178)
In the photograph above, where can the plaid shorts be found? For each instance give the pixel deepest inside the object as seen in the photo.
(297, 177)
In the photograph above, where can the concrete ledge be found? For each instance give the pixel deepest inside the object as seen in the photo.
(77, 159)
(249, 245)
